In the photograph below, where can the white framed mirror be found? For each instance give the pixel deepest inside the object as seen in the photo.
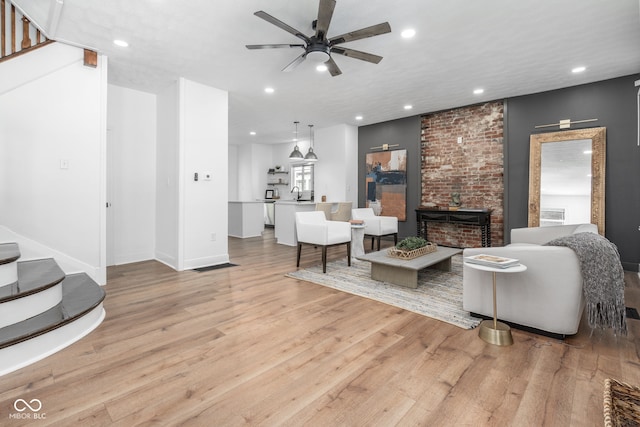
(567, 178)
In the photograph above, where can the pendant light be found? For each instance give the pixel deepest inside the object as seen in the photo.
(311, 156)
(296, 155)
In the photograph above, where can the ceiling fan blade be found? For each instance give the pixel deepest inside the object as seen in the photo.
(352, 53)
(272, 46)
(363, 33)
(293, 64)
(325, 13)
(333, 67)
(278, 23)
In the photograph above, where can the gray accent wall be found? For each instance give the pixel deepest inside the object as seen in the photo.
(406, 133)
(612, 102)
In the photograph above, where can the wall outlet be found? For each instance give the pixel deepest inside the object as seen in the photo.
(213, 237)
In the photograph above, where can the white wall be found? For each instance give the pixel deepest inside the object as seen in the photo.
(167, 161)
(54, 110)
(262, 162)
(204, 145)
(251, 163)
(244, 168)
(280, 156)
(336, 172)
(233, 173)
(131, 121)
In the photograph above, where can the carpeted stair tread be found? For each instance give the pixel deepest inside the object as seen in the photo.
(80, 295)
(33, 276)
(9, 252)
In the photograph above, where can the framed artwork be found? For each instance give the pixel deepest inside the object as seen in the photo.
(386, 183)
(268, 194)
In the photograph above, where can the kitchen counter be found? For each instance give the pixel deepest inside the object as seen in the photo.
(295, 202)
(285, 228)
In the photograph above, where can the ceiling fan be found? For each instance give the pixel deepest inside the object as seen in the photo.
(318, 47)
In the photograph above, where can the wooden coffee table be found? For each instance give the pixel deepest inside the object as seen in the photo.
(405, 272)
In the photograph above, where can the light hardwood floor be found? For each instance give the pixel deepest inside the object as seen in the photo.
(247, 346)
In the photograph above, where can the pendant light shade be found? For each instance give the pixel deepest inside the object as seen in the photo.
(311, 156)
(296, 154)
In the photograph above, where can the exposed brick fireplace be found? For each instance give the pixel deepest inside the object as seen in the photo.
(473, 168)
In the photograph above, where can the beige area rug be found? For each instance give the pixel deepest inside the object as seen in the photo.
(438, 295)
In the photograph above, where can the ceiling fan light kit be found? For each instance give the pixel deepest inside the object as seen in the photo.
(317, 47)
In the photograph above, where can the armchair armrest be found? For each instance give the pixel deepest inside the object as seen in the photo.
(313, 233)
(338, 232)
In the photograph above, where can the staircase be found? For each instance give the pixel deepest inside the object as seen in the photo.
(42, 310)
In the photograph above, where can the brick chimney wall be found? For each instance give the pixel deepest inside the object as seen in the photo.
(473, 168)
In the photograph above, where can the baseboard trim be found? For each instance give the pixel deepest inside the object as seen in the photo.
(631, 266)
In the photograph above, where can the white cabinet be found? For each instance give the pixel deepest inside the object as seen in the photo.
(246, 219)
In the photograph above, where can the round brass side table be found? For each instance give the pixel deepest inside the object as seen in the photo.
(492, 331)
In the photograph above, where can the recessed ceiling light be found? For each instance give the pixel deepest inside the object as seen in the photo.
(322, 68)
(121, 43)
(478, 91)
(269, 89)
(358, 117)
(408, 33)
(408, 107)
(252, 133)
(578, 69)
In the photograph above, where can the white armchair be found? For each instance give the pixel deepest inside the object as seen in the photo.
(313, 228)
(547, 296)
(377, 226)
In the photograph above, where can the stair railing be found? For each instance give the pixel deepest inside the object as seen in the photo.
(13, 41)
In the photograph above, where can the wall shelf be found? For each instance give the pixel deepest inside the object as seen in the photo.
(277, 177)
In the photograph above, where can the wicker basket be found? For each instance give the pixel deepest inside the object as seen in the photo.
(621, 404)
(399, 253)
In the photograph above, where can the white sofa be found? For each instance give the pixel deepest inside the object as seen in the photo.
(547, 296)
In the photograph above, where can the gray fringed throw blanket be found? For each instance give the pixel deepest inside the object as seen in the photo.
(602, 279)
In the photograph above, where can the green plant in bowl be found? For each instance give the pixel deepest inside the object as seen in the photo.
(411, 243)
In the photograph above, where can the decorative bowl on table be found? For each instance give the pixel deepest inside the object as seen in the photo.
(412, 247)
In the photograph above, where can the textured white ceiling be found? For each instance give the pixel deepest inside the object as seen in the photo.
(506, 47)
